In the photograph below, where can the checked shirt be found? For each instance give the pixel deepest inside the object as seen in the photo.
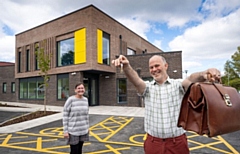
(162, 106)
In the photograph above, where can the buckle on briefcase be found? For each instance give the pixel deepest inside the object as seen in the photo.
(226, 98)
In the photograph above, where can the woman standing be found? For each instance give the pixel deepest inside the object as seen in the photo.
(76, 120)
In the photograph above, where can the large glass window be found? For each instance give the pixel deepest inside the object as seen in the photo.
(106, 48)
(63, 86)
(4, 90)
(13, 87)
(65, 52)
(122, 90)
(31, 88)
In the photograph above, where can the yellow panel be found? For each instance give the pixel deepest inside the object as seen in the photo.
(80, 46)
(99, 46)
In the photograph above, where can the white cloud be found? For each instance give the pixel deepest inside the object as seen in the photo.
(157, 43)
(7, 49)
(136, 25)
(214, 39)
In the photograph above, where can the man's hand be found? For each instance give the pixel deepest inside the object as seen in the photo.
(213, 75)
(121, 60)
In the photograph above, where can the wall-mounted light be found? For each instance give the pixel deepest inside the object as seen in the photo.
(73, 73)
(174, 71)
(107, 77)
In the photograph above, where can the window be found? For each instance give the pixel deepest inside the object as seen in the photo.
(103, 47)
(36, 60)
(31, 88)
(63, 86)
(106, 48)
(122, 90)
(13, 87)
(131, 51)
(4, 90)
(28, 60)
(19, 61)
(65, 52)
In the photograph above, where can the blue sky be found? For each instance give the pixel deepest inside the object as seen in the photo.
(206, 31)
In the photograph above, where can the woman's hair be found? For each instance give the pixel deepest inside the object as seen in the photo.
(78, 84)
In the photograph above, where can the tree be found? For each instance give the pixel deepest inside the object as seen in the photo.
(232, 71)
(43, 60)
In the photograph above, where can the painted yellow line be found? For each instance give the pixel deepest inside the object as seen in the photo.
(100, 128)
(121, 127)
(137, 135)
(7, 139)
(15, 137)
(33, 149)
(51, 131)
(3, 134)
(110, 149)
(209, 145)
(63, 147)
(32, 141)
(42, 135)
(39, 143)
(228, 145)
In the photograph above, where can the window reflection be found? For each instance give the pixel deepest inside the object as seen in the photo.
(65, 50)
(122, 91)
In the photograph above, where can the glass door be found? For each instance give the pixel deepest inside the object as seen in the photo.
(91, 87)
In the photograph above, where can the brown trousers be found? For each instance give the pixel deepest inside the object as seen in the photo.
(176, 145)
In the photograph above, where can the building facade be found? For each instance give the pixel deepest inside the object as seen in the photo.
(7, 82)
(81, 46)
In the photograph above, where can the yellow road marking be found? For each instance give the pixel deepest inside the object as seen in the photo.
(33, 134)
(228, 145)
(7, 139)
(110, 149)
(102, 132)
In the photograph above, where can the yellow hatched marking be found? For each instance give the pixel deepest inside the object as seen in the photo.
(228, 145)
(34, 149)
(33, 134)
(33, 141)
(219, 140)
(7, 139)
(109, 130)
(39, 143)
(110, 149)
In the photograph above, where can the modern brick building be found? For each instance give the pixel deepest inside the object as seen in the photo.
(7, 82)
(83, 44)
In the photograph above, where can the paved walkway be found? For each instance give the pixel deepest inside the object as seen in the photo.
(99, 110)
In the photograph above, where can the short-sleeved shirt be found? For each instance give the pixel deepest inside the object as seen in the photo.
(162, 106)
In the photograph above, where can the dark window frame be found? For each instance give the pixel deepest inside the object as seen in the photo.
(4, 87)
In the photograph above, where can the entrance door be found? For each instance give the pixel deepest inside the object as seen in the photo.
(91, 86)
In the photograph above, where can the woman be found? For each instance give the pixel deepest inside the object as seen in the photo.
(76, 120)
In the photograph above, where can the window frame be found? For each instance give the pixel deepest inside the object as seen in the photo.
(121, 95)
(4, 87)
(59, 53)
(13, 87)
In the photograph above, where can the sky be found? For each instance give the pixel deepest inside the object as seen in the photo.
(206, 31)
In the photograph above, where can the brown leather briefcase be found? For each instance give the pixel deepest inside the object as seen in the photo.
(211, 109)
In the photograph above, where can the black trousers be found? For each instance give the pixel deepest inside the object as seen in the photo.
(76, 149)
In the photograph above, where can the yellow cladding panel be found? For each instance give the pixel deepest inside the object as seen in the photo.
(80, 46)
(99, 46)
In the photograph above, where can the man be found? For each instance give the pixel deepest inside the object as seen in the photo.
(163, 98)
